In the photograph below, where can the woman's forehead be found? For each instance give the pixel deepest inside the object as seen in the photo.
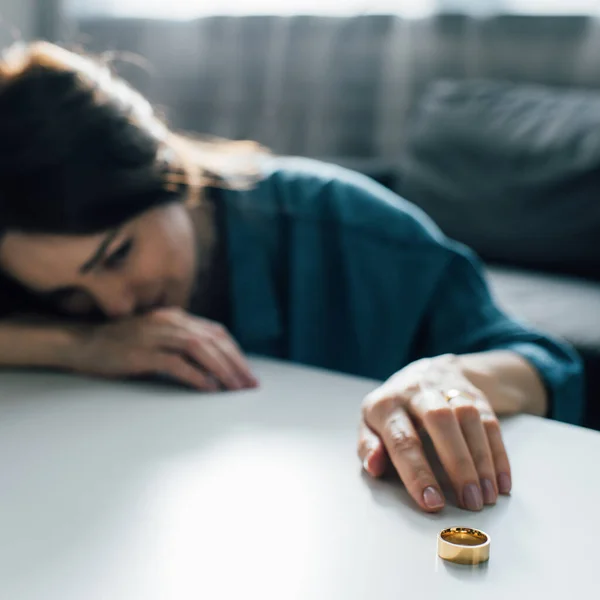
(43, 242)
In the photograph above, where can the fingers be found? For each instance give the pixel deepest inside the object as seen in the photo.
(233, 354)
(442, 425)
(469, 419)
(208, 344)
(177, 367)
(487, 448)
(465, 433)
(499, 455)
(371, 451)
(216, 361)
(395, 428)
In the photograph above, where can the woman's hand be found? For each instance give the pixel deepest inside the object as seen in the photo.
(195, 351)
(464, 430)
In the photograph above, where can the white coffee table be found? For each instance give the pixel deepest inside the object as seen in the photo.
(139, 492)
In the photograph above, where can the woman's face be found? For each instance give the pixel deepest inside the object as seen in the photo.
(146, 263)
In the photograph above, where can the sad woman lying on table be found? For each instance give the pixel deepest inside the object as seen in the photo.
(129, 250)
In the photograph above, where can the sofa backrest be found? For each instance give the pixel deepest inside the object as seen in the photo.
(336, 88)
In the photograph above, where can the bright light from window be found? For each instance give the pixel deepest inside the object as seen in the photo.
(190, 9)
(553, 7)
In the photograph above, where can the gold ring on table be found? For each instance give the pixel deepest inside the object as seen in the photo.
(463, 545)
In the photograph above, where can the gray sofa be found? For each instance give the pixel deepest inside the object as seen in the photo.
(424, 107)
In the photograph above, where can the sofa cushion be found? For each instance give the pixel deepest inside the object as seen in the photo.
(566, 307)
(511, 170)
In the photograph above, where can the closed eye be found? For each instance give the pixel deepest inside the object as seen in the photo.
(119, 256)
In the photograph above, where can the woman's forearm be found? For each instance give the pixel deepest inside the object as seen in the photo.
(37, 343)
(510, 382)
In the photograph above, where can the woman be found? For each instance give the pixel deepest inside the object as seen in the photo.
(128, 250)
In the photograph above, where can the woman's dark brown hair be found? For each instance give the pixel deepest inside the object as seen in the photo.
(81, 151)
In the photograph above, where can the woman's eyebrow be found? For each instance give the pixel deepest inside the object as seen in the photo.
(100, 253)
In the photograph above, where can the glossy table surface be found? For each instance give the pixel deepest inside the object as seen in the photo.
(113, 491)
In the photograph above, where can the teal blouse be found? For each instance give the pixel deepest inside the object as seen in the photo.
(330, 269)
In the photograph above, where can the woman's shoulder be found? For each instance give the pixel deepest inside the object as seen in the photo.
(312, 190)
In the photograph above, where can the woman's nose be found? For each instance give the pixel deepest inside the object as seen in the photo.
(117, 302)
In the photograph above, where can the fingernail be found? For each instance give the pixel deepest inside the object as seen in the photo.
(472, 497)
(432, 498)
(489, 493)
(504, 483)
(366, 463)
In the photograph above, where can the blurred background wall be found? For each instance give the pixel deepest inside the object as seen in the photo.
(17, 18)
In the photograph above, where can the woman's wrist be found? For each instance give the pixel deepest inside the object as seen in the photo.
(511, 384)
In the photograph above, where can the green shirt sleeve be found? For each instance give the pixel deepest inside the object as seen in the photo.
(463, 318)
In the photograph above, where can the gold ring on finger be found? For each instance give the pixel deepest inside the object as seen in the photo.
(454, 393)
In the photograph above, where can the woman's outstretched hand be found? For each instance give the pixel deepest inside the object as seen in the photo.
(464, 430)
(194, 351)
